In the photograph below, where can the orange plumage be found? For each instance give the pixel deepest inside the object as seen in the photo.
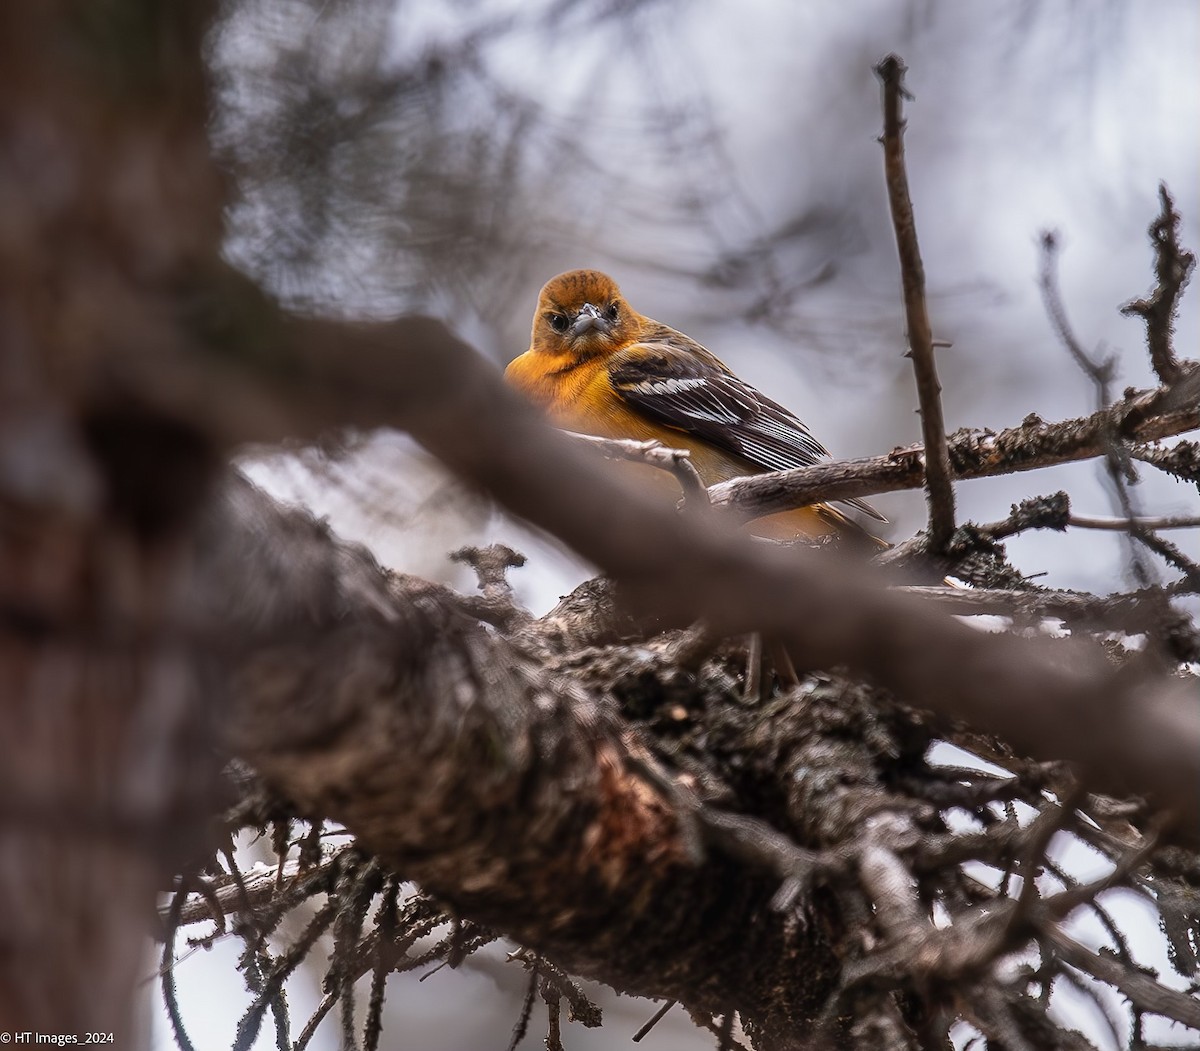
(596, 365)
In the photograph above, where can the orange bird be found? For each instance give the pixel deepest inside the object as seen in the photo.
(596, 365)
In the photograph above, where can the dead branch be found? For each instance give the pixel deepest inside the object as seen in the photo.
(973, 454)
(1173, 265)
(1170, 552)
(1135, 612)
(1181, 460)
(677, 462)
(1148, 994)
(1120, 525)
(920, 337)
(1101, 374)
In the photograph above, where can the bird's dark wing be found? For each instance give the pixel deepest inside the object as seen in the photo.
(672, 379)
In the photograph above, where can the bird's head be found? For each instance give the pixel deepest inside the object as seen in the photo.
(582, 313)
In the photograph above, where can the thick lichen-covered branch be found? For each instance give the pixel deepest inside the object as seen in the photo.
(974, 453)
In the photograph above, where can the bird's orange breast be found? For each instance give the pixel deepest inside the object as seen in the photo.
(577, 396)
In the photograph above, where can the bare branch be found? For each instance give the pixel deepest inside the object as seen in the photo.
(1173, 265)
(1038, 512)
(1101, 373)
(754, 840)
(920, 337)
(1121, 525)
(1134, 612)
(973, 454)
(1143, 991)
(675, 461)
(1189, 568)
(1181, 460)
(655, 1018)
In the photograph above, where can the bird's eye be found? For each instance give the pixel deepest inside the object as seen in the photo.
(611, 312)
(558, 322)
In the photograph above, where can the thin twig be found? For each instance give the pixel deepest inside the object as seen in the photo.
(1101, 1004)
(1104, 918)
(1101, 371)
(553, 1000)
(1045, 827)
(1146, 611)
(385, 926)
(310, 1027)
(753, 840)
(580, 1009)
(170, 995)
(994, 1016)
(753, 683)
(251, 1020)
(522, 1024)
(938, 476)
(1123, 525)
(677, 462)
(657, 1017)
(1060, 905)
(260, 889)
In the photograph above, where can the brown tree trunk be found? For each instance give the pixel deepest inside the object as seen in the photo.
(108, 197)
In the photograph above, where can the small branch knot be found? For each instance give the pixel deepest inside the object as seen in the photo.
(496, 605)
(490, 563)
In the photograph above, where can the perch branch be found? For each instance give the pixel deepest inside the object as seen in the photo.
(677, 462)
(973, 454)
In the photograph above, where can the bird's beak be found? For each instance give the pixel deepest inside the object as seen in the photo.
(588, 318)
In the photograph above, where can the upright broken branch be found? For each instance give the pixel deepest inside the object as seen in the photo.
(920, 336)
(1173, 265)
